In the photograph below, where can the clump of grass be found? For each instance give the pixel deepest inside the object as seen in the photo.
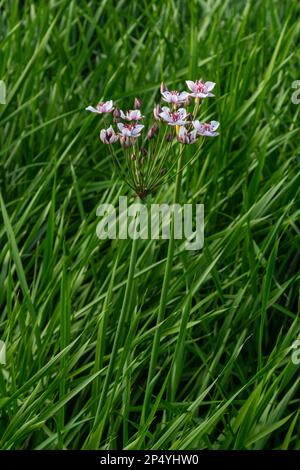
(224, 378)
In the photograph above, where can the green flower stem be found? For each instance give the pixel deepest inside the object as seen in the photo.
(163, 299)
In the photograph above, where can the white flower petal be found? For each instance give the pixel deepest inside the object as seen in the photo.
(103, 135)
(209, 86)
(120, 126)
(92, 109)
(214, 125)
(193, 135)
(183, 95)
(182, 131)
(137, 129)
(135, 115)
(165, 116)
(197, 125)
(191, 85)
(166, 95)
(182, 112)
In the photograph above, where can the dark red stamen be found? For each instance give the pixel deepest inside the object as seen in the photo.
(130, 126)
(200, 85)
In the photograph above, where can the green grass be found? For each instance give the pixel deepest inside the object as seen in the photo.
(223, 376)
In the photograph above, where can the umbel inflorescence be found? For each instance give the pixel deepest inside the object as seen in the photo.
(151, 152)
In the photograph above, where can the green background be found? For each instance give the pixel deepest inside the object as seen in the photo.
(224, 377)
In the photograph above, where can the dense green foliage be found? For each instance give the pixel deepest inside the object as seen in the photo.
(224, 377)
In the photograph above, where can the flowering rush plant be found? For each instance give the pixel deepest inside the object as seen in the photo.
(150, 149)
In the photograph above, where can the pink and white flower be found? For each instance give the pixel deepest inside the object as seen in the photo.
(206, 128)
(130, 130)
(102, 107)
(186, 137)
(131, 115)
(200, 88)
(108, 136)
(174, 97)
(174, 118)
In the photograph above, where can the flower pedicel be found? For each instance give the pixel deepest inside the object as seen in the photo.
(150, 151)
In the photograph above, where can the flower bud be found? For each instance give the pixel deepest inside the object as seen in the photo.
(162, 171)
(152, 131)
(137, 103)
(144, 151)
(188, 100)
(163, 87)
(108, 136)
(169, 137)
(116, 114)
(133, 157)
(156, 111)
